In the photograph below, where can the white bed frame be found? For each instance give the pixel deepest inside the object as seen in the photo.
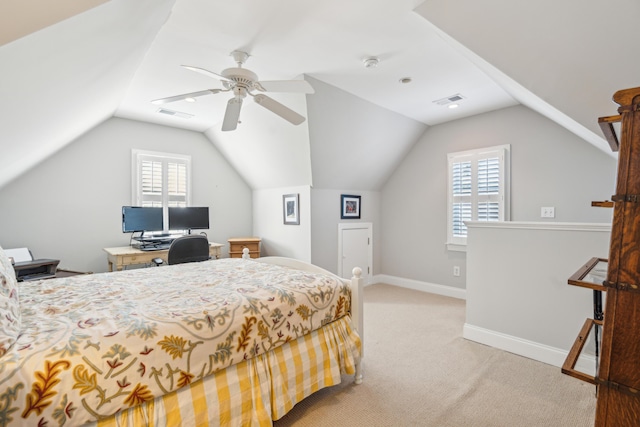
(356, 284)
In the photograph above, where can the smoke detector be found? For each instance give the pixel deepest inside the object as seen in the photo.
(371, 62)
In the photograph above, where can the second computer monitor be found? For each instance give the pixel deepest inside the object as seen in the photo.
(189, 218)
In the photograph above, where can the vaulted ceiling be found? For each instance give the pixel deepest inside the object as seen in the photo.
(62, 77)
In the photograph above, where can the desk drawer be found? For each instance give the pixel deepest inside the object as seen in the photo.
(142, 258)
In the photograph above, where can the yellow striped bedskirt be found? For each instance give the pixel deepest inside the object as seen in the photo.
(255, 391)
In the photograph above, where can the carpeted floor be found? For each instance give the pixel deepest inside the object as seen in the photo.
(419, 371)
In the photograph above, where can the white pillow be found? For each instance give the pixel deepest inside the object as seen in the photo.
(10, 318)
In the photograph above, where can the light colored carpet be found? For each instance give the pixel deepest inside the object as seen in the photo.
(419, 371)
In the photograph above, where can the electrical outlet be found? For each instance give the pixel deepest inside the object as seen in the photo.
(548, 212)
(456, 270)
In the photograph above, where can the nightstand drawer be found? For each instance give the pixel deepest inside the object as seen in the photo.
(238, 247)
(238, 244)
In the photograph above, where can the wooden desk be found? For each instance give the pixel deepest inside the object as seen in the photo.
(126, 255)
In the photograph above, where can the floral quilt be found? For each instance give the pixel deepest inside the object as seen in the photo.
(92, 345)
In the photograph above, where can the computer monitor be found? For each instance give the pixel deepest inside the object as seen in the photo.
(189, 218)
(137, 218)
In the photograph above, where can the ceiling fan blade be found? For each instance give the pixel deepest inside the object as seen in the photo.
(279, 109)
(232, 114)
(295, 86)
(207, 73)
(184, 96)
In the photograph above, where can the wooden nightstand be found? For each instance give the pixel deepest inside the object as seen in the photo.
(237, 244)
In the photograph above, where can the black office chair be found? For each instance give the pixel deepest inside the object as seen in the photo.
(190, 248)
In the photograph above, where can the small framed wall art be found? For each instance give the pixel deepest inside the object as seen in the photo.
(349, 206)
(291, 209)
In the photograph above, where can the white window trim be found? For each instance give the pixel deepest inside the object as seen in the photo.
(459, 244)
(138, 156)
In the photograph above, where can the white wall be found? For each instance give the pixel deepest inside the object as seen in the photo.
(355, 146)
(268, 151)
(560, 51)
(268, 223)
(518, 298)
(325, 215)
(69, 206)
(69, 77)
(549, 167)
(355, 143)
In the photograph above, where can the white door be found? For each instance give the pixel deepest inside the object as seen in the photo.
(355, 250)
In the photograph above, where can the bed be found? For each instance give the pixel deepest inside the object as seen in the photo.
(219, 342)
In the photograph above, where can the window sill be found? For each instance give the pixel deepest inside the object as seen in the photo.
(456, 247)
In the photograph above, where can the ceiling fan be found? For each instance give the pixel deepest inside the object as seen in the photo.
(241, 82)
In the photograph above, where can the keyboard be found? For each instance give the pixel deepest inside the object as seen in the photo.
(155, 247)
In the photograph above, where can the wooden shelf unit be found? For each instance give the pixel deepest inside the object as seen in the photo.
(591, 275)
(618, 375)
(603, 204)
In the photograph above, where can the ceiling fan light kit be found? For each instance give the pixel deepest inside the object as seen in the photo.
(242, 82)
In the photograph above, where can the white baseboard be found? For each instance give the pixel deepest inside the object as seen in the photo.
(417, 285)
(530, 349)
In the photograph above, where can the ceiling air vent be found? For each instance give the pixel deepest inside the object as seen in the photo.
(449, 99)
(174, 113)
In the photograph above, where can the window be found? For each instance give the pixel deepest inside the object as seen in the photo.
(478, 190)
(161, 179)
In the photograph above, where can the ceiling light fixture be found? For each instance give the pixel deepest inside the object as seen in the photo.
(371, 62)
(190, 99)
(452, 106)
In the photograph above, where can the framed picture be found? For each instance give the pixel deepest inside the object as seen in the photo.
(349, 207)
(290, 209)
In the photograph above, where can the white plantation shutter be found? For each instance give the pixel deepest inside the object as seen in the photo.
(489, 196)
(478, 190)
(160, 179)
(177, 184)
(461, 193)
(151, 183)
(461, 213)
